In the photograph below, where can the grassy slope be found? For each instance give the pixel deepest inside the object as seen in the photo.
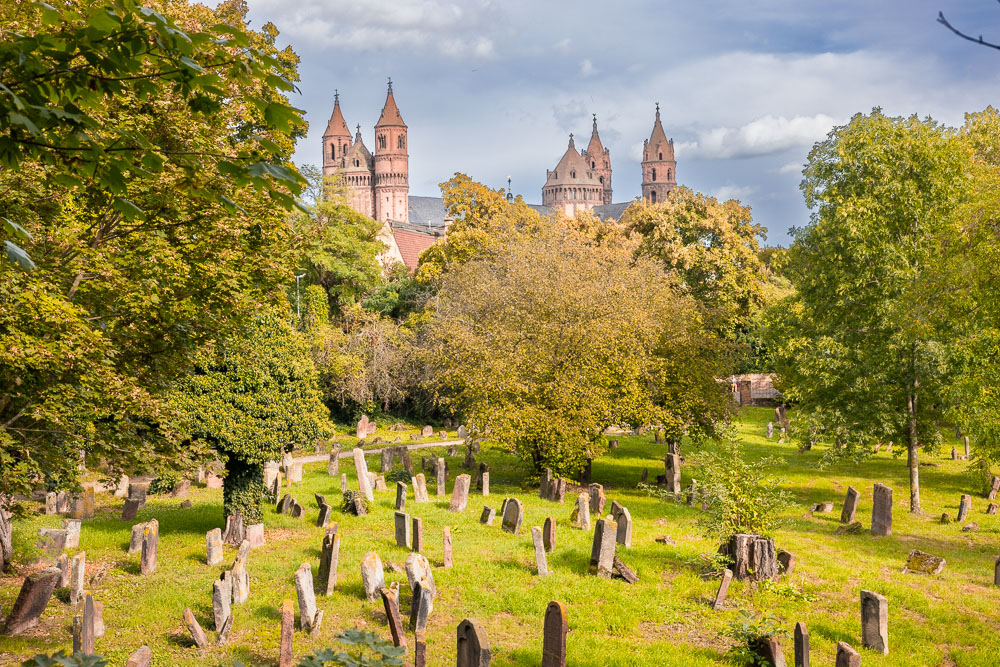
(663, 620)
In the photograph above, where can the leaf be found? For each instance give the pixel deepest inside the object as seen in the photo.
(127, 208)
(18, 256)
(16, 230)
(24, 121)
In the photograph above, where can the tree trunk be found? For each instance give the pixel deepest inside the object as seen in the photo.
(6, 537)
(913, 446)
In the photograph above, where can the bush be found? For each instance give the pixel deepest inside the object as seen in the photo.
(750, 632)
(164, 483)
(350, 497)
(979, 475)
(60, 659)
(397, 475)
(372, 651)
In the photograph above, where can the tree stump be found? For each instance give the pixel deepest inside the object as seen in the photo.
(754, 557)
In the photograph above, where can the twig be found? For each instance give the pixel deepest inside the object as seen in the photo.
(943, 21)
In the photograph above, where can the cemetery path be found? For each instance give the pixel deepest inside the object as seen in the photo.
(318, 458)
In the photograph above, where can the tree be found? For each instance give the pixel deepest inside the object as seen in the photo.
(861, 345)
(545, 344)
(250, 398)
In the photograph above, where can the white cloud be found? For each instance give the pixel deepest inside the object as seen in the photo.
(727, 192)
(562, 46)
(791, 168)
(587, 68)
(762, 136)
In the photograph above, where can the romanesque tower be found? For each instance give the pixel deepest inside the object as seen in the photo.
(336, 140)
(357, 174)
(573, 186)
(599, 158)
(392, 170)
(659, 169)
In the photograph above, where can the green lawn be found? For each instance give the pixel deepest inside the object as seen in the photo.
(665, 619)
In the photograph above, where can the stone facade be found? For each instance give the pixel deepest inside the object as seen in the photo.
(582, 179)
(659, 168)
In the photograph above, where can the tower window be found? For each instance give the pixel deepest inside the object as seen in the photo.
(357, 164)
(400, 142)
(654, 174)
(593, 164)
(602, 180)
(572, 174)
(652, 196)
(668, 174)
(661, 156)
(381, 141)
(333, 150)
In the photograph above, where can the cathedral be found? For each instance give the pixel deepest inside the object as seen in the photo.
(377, 183)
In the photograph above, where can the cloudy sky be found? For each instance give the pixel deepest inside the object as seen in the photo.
(493, 88)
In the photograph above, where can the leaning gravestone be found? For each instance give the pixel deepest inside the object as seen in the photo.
(420, 488)
(372, 575)
(308, 615)
(222, 598)
(554, 636)
(194, 627)
(881, 510)
(31, 601)
(850, 505)
(150, 544)
(720, 595)
(875, 622)
(460, 493)
(486, 518)
(602, 554)
(513, 515)
(964, 505)
(539, 544)
(624, 521)
(400, 496)
(364, 482)
(391, 604)
(419, 568)
(473, 645)
(241, 578)
(581, 513)
(287, 630)
(994, 488)
(142, 657)
(329, 556)
(847, 656)
(422, 605)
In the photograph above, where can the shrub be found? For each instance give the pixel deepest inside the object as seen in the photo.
(979, 475)
(349, 498)
(750, 632)
(60, 659)
(372, 651)
(397, 475)
(164, 483)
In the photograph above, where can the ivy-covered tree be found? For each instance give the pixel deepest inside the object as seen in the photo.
(251, 397)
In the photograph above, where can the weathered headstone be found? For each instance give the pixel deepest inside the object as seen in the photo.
(64, 571)
(624, 521)
(881, 510)
(822, 508)
(513, 515)
(135, 543)
(770, 430)
(297, 511)
(130, 509)
(420, 488)
(441, 472)
(255, 535)
(325, 513)
(847, 656)
(554, 636)
(597, 499)
(623, 571)
(875, 622)
(419, 568)
(549, 534)
(402, 525)
(83, 505)
(460, 493)
(213, 547)
(921, 562)
(417, 535)
(770, 650)
(227, 627)
(306, 596)
(801, 638)
(964, 505)
(602, 554)
(539, 543)
(400, 496)
(486, 518)
(720, 595)
(994, 488)
(222, 600)
(333, 463)
(850, 505)
(362, 429)
(447, 559)
(343, 482)
(194, 627)
(213, 481)
(83, 628)
(786, 562)
(31, 601)
(991, 509)
(287, 631)
(420, 648)
(329, 556)
(364, 481)
(391, 604)
(50, 503)
(965, 441)
(240, 575)
(427, 431)
(473, 645)
(72, 528)
(581, 513)
(150, 544)
(142, 657)
(422, 605)
(672, 473)
(76, 577)
(372, 575)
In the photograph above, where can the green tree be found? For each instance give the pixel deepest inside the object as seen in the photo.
(861, 345)
(250, 398)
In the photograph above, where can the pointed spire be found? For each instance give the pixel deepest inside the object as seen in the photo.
(337, 127)
(357, 136)
(658, 146)
(571, 144)
(390, 112)
(595, 148)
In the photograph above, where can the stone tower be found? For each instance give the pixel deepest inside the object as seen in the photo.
(392, 170)
(599, 159)
(574, 185)
(336, 139)
(357, 171)
(659, 169)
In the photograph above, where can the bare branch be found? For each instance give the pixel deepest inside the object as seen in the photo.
(943, 21)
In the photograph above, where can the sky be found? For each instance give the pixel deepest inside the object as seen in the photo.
(493, 89)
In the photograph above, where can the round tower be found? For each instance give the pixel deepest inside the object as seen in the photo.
(659, 169)
(599, 159)
(392, 164)
(336, 139)
(573, 186)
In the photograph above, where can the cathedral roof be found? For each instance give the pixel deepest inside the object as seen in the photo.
(337, 127)
(595, 147)
(358, 152)
(659, 137)
(390, 112)
(572, 169)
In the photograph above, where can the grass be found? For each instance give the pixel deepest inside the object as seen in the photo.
(665, 619)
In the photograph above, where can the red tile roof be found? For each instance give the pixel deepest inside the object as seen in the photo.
(411, 244)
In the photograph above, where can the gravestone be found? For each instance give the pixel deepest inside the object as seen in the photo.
(587, 471)
(602, 554)
(473, 645)
(255, 535)
(213, 481)
(486, 518)
(50, 503)
(994, 488)
(72, 528)
(64, 571)
(881, 510)
(847, 656)
(554, 636)
(441, 473)
(850, 505)
(875, 622)
(386, 459)
(31, 601)
(76, 577)
(222, 598)
(786, 562)
(754, 557)
(329, 555)
(402, 524)
(372, 575)
(463, 432)
(343, 482)
(306, 597)
(822, 508)
(954, 454)
(921, 562)
(285, 504)
(52, 542)
(391, 604)
(325, 513)
(623, 571)
(483, 468)
(484, 483)
(362, 429)
(460, 493)
(597, 499)
(420, 488)
(142, 657)
(770, 430)
(545, 484)
(540, 561)
(88, 631)
(418, 568)
(296, 511)
(581, 513)
(447, 559)
(400, 496)
(720, 595)
(420, 648)
(426, 431)
(996, 571)
(224, 631)
(770, 650)
(194, 627)
(422, 605)
(801, 639)
(287, 630)
(672, 473)
(240, 576)
(380, 484)
(364, 482)
(624, 521)
(150, 544)
(272, 471)
(417, 535)
(513, 515)
(991, 509)
(135, 543)
(965, 441)
(964, 505)
(549, 534)
(130, 509)
(83, 505)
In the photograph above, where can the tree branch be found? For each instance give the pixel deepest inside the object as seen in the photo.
(943, 21)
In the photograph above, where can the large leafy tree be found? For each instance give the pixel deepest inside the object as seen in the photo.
(549, 342)
(862, 344)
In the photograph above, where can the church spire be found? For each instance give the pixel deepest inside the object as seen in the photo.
(595, 149)
(390, 112)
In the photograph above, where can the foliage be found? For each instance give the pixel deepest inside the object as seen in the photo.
(742, 495)
(164, 483)
(61, 66)
(397, 475)
(979, 476)
(750, 631)
(861, 347)
(555, 339)
(61, 659)
(347, 503)
(250, 397)
(372, 651)
(787, 590)
(399, 296)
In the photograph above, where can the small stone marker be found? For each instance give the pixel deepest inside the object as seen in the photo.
(623, 571)
(419, 568)
(297, 511)
(130, 509)
(427, 432)
(400, 496)
(224, 631)
(924, 563)
(770, 430)
(241, 578)
(545, 484)
(364, 481)
(287, 630)
(991, 509)
(329, 556)
(420, 488)
(391, 604)
(460, 494)
(672, 474)
(142, 657)
(372, 575)
(484, 483)
(994, 488)
(77, 570)
(50, 503)
(597, 499)
(417, 535)
(447, 564)
(473, 645)
(64, 571)
(581, 514)
(402, 524)
(624, 521)
(213, 547)
(964, 505)
(540, 561)
(135, 543)
(487, 516)
(441, 472)
(801, 639)
(786, 562)
(325, 513)
(72, 528)
(770, 649)
(222, 598)
(150, 544)
(343, 482)
(875, 622)
(513, 515)
(847, 656)
(822, 508)
(422, 605)
(307, 597)
(255, 535)
(850, 505)
(881, 510)
(31, 601)
(549, 534)
(88, 629)
(554, 636)
(197, 634)
(720, 595)
(333, 464)
(602, 554)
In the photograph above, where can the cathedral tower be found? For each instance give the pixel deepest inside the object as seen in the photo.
(659, 169)
(573, 186)
(599, 159)
(357, 173)
(336, 139)
(392, 170)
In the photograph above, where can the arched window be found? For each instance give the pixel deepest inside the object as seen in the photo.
(654, 174)
(572, 174)
(602, 180)
(661, 156)
(357, 163)
(400, 142)
(593, 164)
(333, 151)
(652, 196)
(668, 174)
